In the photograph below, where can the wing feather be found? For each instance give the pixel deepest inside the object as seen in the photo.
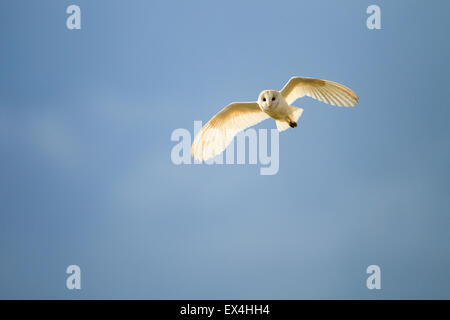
(323, 90)
(218, 132)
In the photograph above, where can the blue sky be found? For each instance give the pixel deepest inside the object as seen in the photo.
(86, 177)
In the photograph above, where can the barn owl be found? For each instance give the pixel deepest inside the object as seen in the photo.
(218, 132)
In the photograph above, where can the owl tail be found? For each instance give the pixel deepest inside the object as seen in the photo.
(294, 116)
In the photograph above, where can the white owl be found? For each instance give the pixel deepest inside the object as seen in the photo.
(217, 134)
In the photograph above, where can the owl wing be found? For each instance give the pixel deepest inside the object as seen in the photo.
(217, 134)
(326, 91)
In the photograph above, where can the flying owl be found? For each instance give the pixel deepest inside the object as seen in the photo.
(218, 132)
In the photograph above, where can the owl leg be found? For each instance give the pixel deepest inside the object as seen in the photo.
(291, 122)
(293, 117)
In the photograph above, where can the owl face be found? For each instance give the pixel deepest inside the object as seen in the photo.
(268, 99)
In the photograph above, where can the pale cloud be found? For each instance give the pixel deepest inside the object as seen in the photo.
(54, 140)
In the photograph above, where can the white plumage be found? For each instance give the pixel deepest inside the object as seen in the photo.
(218, 132)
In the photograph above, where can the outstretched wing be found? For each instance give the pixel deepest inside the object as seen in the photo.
(217, 134)
(326, 91)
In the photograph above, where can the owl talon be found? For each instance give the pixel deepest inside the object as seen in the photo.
(292, 124)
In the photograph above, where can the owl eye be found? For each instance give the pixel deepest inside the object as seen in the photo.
(273, 98)
(264, 99)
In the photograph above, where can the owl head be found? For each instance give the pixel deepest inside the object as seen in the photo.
(269, 99)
